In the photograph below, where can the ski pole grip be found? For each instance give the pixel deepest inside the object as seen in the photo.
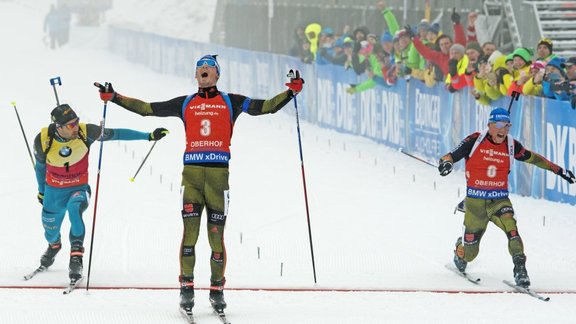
(55, 81)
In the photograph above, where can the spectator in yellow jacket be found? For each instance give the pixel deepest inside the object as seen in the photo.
(312, 33)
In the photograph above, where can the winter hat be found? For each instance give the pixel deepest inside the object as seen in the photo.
(457, 47)
(475, 46)
(401, 33)
(386, 37)
(434, 28)
(499, 114)
(347, 42)
(557, 63)
(62, 114)
(209, 60)
(571, 61)
(538, 65)
(423, 25)
(524, 53)
(328, 31)
(546, 42)
(509, 57)
(364, 30)
(499, 63)
(492, 58)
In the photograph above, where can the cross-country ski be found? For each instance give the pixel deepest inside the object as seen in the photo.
(526, 291)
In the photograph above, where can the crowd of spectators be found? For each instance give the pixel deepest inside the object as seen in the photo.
(424, 52)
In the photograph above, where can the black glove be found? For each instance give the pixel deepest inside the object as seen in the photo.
(409, 31)
(445, 167)
(40, 197)
(567, 175)
(157, 134)
(406, 70)
(455, 16)
(453, 67)
(107, 93)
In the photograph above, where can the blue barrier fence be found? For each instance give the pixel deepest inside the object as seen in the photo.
(425, 121)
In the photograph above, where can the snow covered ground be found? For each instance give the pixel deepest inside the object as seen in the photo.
(382, 223)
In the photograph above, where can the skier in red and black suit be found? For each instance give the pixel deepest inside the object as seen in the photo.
(489, 157)
(208, 117)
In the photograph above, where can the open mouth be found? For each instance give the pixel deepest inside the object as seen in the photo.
(204, 74)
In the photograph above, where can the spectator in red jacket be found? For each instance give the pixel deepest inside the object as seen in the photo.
(441, 58)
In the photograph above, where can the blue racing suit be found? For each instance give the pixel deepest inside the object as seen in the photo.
(62, 175)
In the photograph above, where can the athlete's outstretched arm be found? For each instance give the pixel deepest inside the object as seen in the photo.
(524, 155)
(259, 107)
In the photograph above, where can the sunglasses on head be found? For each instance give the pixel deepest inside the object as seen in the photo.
(502, 124)
(209, 62)
(71, 125)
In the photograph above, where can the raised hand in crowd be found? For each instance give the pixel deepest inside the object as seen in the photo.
(523, 77)
(472, 16)
(409, 31)
(455, 17)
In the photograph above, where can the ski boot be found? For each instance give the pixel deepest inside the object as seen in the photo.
(47, 259)
(75, 267)
(459, 262)
(186, 293)
(217, 294)
(520, 272)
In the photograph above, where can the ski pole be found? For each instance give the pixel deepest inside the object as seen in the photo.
(142, 164)
(417, 158)
(515, 95)
(23, 134)
(291, 75)
(102, 124)
(53, 82)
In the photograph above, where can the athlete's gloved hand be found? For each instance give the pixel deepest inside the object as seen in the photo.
(158, 134)
(567, 175)
(107, 93)
(296, 82)
(40, 197)
(445, 167)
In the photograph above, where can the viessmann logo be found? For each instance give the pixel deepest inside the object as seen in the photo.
(204, 106)
(491, 152)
